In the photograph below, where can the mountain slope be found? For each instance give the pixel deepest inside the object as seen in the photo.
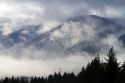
(77, 34)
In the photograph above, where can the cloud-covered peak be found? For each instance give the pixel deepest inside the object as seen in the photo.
(78, 34)
(50, 31)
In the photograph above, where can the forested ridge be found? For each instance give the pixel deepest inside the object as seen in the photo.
(97, 71)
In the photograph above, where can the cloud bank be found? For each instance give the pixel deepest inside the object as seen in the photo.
(48, 14)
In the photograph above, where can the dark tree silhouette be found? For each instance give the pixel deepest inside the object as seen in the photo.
(93, 73)
(6, 80)
(81, 76)
(112, 68)
(122, 74)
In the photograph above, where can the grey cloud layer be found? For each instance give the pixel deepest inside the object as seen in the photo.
(49, 13)
(61, 9)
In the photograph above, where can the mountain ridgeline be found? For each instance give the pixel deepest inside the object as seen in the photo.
(77, 34)
(96, 71)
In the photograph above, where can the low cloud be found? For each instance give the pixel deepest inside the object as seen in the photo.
(49, 14)
(40, 66)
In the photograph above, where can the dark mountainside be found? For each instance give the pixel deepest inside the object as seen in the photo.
(76, 34)
(95, 72)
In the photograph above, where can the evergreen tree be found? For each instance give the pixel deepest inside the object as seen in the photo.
(65, 77)
(81, 76)
(6, 80)
(122, 74)
(94, 71)
(50, 79)
(111, 67)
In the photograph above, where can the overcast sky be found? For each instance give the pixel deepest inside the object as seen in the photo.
(59, 10)
(50, 13)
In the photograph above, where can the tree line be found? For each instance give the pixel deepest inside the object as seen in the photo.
(96, 71)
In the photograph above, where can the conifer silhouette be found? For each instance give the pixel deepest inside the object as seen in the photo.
(112, 68)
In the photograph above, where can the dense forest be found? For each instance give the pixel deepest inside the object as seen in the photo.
(96, 71)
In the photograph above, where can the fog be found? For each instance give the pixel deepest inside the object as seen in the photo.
(41, 64)
(19, 61)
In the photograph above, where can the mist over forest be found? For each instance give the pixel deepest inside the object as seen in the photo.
(44, 41)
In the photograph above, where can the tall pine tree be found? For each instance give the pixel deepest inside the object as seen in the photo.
(122, 74)
(112, 68)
